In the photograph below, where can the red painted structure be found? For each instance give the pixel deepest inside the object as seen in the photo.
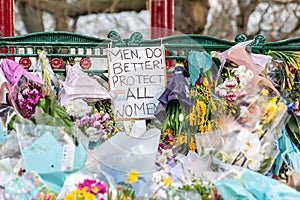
(7, 22)
(162, 21)
(7, 27)
(162, 18)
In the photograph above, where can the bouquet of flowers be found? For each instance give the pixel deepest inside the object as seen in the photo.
(95, 120)
(284, 73)
(27, 97)
(252, 123)
(88, 189)
(82, 187)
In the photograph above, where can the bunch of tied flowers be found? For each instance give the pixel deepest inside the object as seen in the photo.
(284, 73)
(236, 80)
(89, 189)
(27, 97)
(249, 135)
(96, 120)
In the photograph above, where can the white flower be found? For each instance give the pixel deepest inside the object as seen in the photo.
(241, 68)
(176, 198)
(161, 160)
(220, 91)
(249, 74)
(244, 112)
(91, 132)
(254, 161)
(78, 108)
(248, 142)
(181, 117)
(168, 153)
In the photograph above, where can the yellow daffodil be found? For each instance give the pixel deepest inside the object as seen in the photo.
(192, 145)
(167, 181)
(133, 176)
(80, 195)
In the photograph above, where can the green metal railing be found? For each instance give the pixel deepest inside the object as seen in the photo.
(66, 45)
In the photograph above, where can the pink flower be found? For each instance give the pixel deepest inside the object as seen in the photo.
(25, 91)
(93, 186)
(237, 77)
(20, 97)
(33, 96)
(96, 124)
(96, 116)
(231, 96)
(101, 113)
(297, 105)
(230, 85)
(101, 187)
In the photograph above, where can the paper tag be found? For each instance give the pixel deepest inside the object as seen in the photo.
(68, 154)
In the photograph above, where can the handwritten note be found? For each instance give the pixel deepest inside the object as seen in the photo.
(138, 77)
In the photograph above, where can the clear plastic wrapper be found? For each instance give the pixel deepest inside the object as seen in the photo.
(85, 175)
(250, 136)
(28, 186)
(121, 154)
(50, 152)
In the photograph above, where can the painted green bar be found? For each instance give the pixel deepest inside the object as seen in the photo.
(67, 44)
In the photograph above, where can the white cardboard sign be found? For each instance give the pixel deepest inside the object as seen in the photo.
(137, 75)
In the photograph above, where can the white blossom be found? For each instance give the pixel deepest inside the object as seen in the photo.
(78, 108)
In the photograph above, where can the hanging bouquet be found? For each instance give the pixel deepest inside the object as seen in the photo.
(253, 120)
(249, 136)
(203, 117)
(284, 72)
(172, 109)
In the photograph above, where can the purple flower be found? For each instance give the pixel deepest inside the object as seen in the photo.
(96, 116)
(93, 186)
(101, 113)
(105, 118)
(29, 108)
(101, 187)
(27, 115)
(33, 96)
(83, 121)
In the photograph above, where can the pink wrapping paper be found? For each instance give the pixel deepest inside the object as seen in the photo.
(79, 85)
(13, 72)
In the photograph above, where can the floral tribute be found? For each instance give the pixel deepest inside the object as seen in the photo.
(284, 72)
(89, 190)
(227, 109)
(96, 120)
(28, 96)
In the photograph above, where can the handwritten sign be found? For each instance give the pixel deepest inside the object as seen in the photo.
(138, 77)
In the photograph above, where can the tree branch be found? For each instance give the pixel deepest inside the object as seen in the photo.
(84, 7)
